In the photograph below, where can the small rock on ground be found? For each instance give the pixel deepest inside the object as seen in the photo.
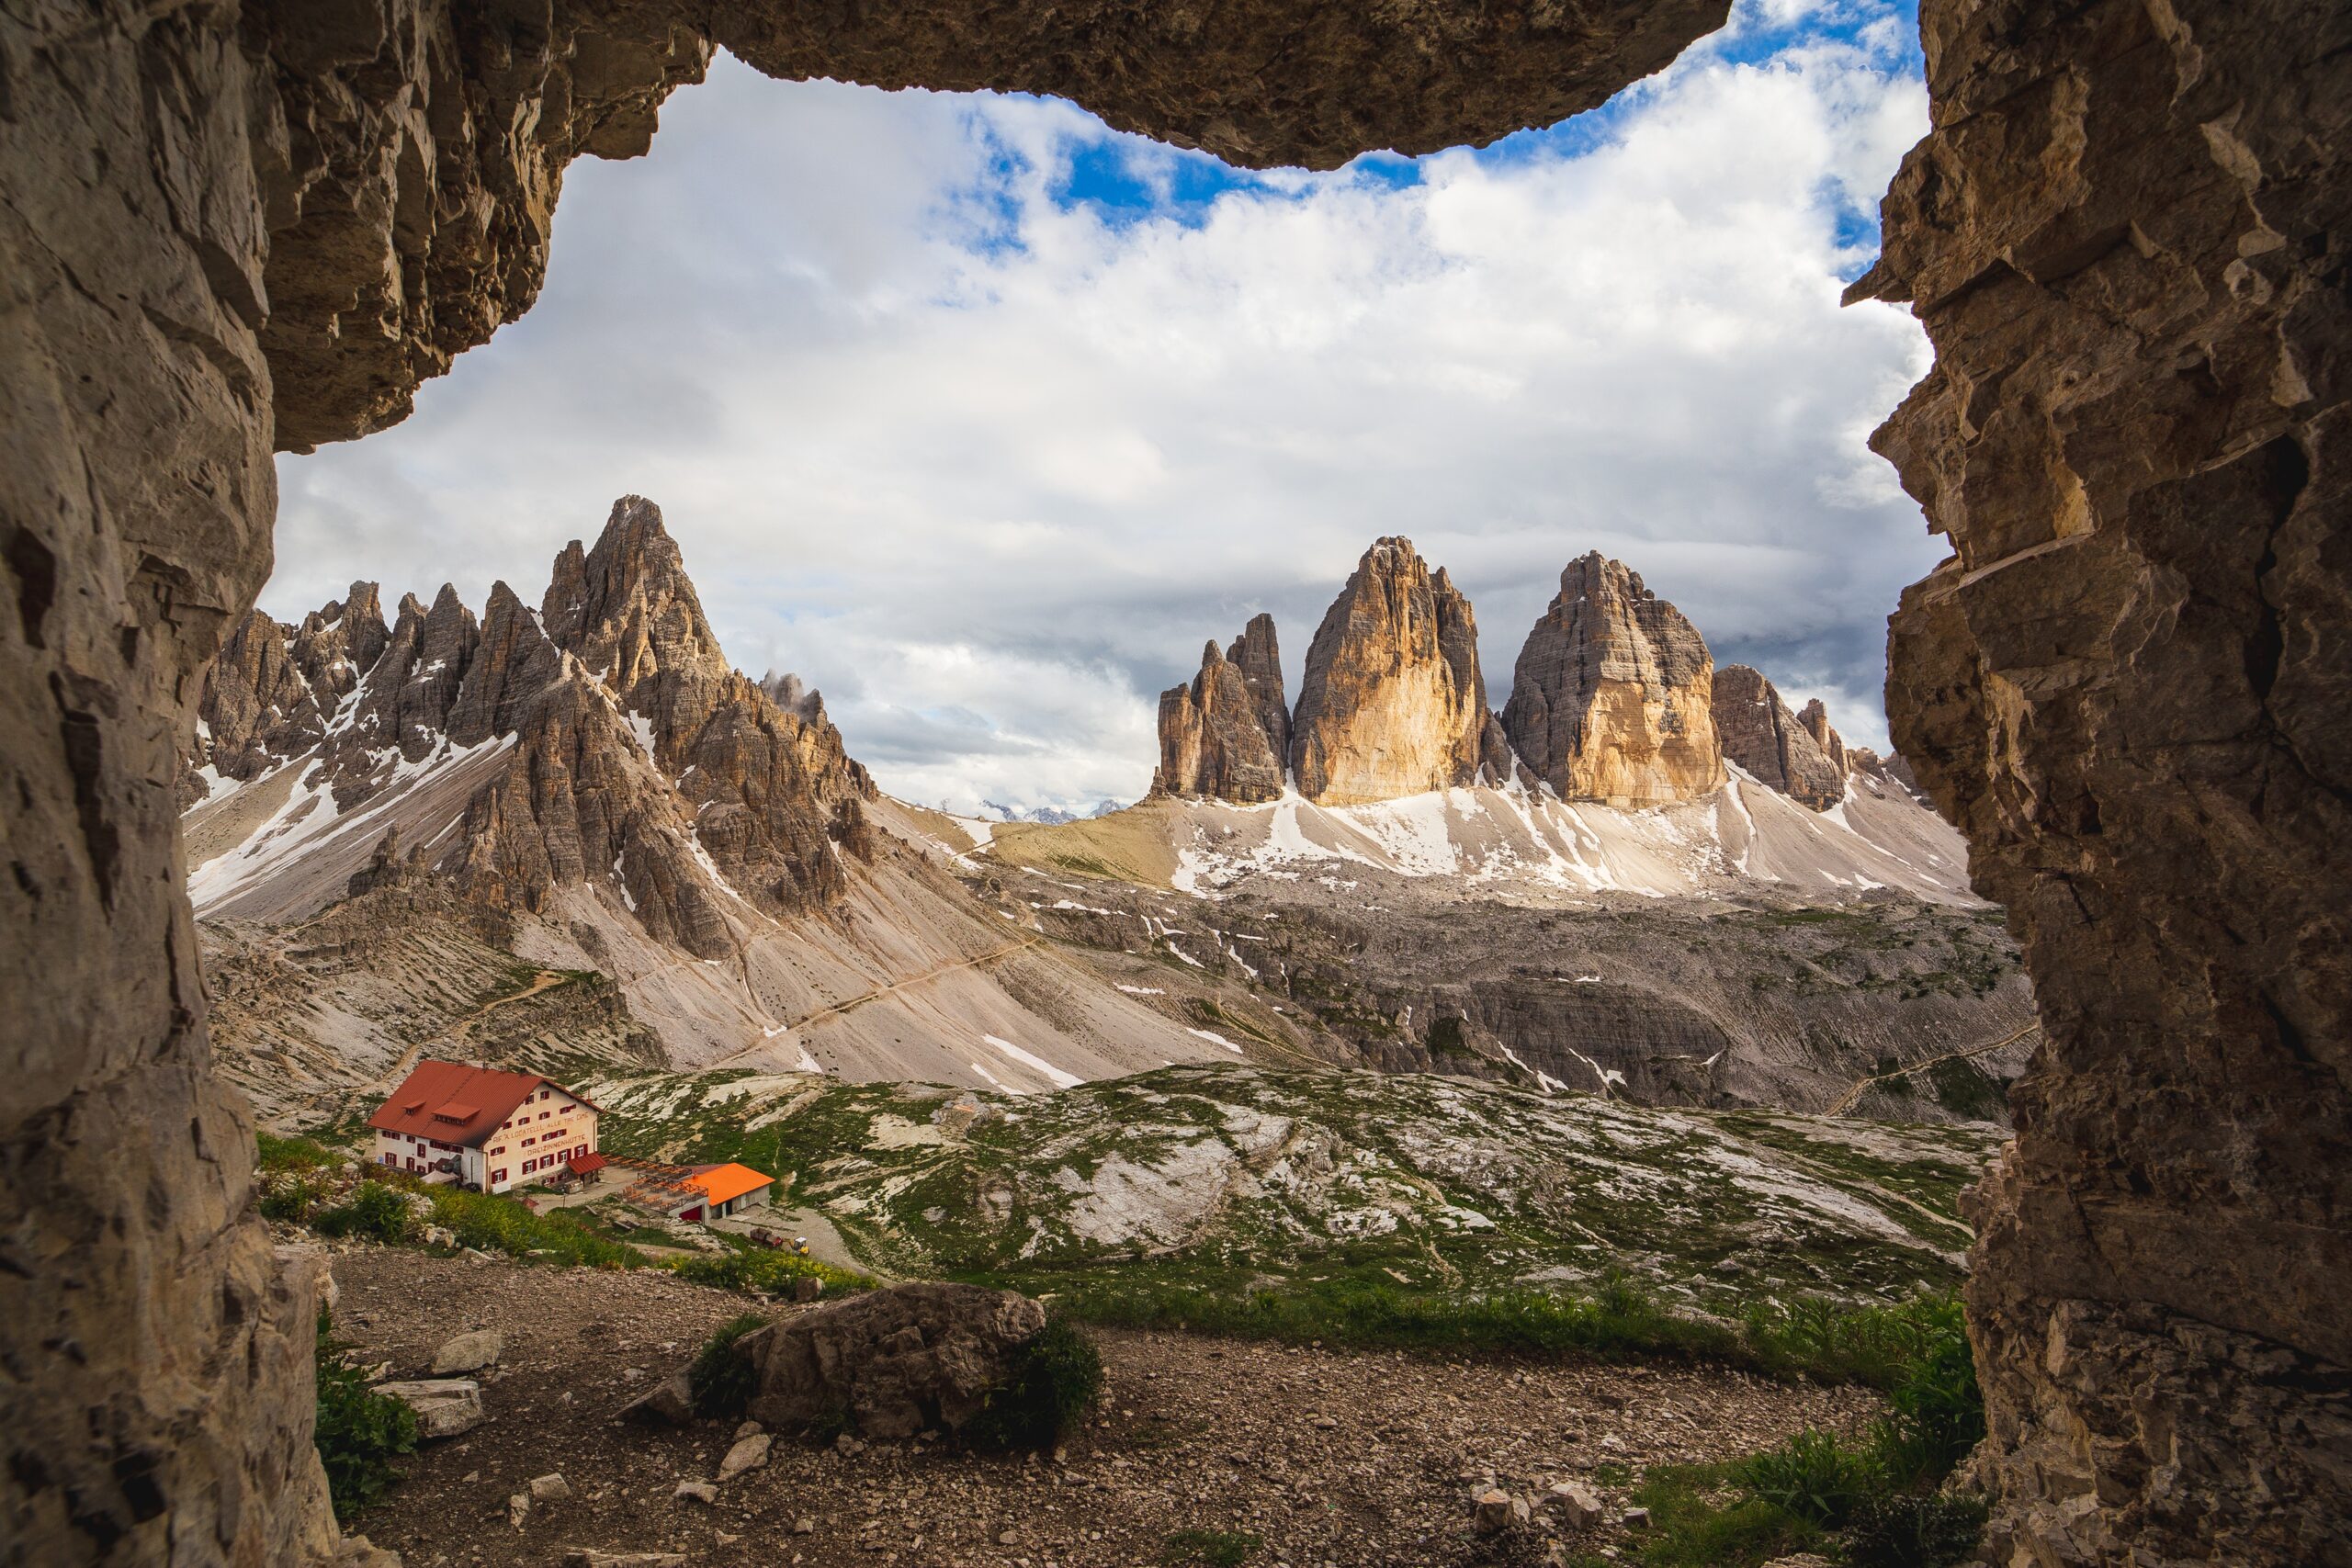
(446, 1407)
(750, 1453)
(468, 1352)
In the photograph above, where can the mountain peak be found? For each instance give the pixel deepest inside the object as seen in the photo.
(1213, 739)
(1611, 697)
(1391, 703)
(1260, 658)
(1760, 734)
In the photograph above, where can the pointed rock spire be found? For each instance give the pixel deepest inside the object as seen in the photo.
(1213, 734)
(1258, 657)
(1816, 719)
(1391, 702)
(1612, 698)
(1760, 734)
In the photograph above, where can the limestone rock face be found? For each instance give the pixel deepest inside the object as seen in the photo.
(1260, 658)
(230, 228)
(631, 752)
(1391, 703)
(1758, 733)
(639, 756)
(1613, 696)
(405, 225)
(2127, 236)
(273, 691)
(1815, 720)
(1213, 739)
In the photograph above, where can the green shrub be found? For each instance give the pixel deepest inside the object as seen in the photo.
(274, 1153)
(1813, 1476)
(291, 1196)
(376, 1212)
(770, 1270)
(722, 1378)
(358, 1430)
(1938, 1410)
(493, 1224)
(1054, 1380)
(1878, 1494)
(1915, 1529)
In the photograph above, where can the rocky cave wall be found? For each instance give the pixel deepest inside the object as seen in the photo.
(2127, 237)
(230, 228)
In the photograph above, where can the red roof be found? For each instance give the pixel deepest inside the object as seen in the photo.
(587, 1163)
(454, 1103)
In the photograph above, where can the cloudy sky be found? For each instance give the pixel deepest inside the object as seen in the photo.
(982, 417)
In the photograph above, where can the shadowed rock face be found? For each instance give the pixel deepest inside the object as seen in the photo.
(1780, 750)
(1612, 696)
(234, 227)
(1214, 734)
(1815, 719)
(409, 156)
(1390, 703)
(1260, 658)
(632, 748)
(2127, 236)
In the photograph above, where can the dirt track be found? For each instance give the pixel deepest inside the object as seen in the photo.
(1329, 1456)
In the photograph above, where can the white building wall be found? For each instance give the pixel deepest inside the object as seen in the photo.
(545, 1132)
(409, 1152)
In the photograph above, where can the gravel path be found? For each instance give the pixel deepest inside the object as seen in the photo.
(1327, 1457)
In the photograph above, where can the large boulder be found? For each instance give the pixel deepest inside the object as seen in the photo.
(892, 1361)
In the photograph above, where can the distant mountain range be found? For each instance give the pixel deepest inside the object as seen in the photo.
(591, 787)
(1615, 700)
(1624, 761)
(575, 838)
(997, 811)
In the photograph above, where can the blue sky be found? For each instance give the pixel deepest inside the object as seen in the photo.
(1126, 180)
(982, 417)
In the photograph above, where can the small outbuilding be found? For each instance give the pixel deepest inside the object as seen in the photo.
(695, 1192)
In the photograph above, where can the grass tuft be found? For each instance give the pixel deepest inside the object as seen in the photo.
(1877, 1497)
(359, 1431)
(769, 1271)
(722, 1378)
(1210, 1549)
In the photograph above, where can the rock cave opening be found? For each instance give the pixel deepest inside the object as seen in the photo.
(238, 228)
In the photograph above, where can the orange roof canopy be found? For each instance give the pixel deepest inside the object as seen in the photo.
(725, 1183)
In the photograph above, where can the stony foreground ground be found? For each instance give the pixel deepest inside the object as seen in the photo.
(1330, 1456)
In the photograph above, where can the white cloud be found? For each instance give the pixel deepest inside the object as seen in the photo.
(987, 470)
